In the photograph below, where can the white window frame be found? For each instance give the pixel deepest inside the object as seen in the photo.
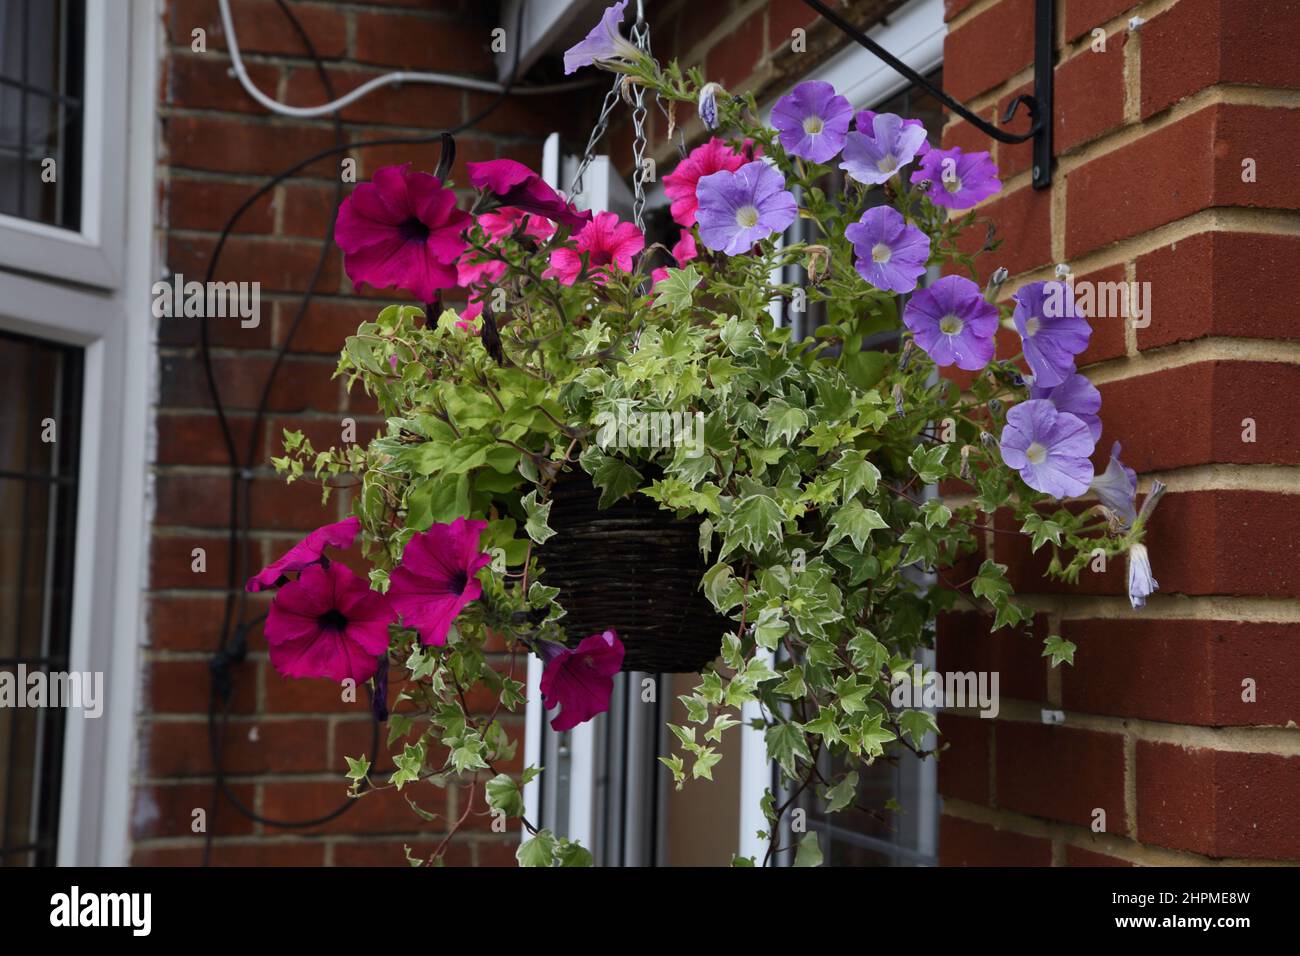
(915, 34)
(100, 302)
(92, 255)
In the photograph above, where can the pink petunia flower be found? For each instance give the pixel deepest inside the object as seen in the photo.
(328, 623)
(306, 552)
(608, 244)
(679, 185)
(436, 577)
(500, 223)
(402, 230)
(518, 187)
(579, 680)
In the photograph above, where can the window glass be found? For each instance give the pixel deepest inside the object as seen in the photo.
(41, 52)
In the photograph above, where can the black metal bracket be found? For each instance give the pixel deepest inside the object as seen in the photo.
(1038, 103)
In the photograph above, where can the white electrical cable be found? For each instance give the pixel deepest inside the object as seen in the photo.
(388, 79)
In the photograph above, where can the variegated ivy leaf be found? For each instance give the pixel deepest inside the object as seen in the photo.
(855, 522)
(916, 724)
(855, 473)
(538, 850)
(873, 737)
(705, 760)
(754, 522)
(785, 745)
(503, 794)
(936, 513)
(1059, 650)
(928, 463)
(1042, 530)
(675, 291)
(769, 628)
(843, 793)
(539, 516)
(809, 852)
(784, 421)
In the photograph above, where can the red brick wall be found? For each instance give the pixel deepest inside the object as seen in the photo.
(1151, 134)
(286, 741)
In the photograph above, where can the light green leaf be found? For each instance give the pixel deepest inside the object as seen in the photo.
(675, 290)
(1059, 650)
(539, 515)
(810, 851)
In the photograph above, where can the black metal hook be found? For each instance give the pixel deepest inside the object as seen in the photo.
(446, 157)
(1039, 103)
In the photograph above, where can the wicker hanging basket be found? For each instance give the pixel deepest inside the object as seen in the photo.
(635, 568)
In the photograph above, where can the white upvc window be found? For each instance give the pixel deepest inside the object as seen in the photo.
(76, 268)
(63, 134)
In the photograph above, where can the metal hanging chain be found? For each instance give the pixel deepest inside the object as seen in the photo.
(641, 39)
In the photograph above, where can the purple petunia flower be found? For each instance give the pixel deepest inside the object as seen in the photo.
(1141, 582)
(1075, 395)
(882, 144)
(1051, 331)
(953, 323)
(958, 180)
(1117, 488)
(890, 254)
(812, 121)
(738, 209)
(1050, 449)
(603, 44)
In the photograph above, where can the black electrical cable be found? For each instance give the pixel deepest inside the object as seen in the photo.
(241, 475)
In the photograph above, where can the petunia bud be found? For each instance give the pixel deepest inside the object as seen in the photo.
(988, 441)
(995, 406)
(905, 358)
(964, 472)
(996, 282)
(708, 105)
(1141, 583)
(898, 400)
(492, 338)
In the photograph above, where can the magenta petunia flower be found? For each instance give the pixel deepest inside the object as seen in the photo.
(890, 253)
(812, 121)
(741, 208)
(1051, 330)
(518, 187)
(306, 552)
(435, 579)
(953, 323)
(608, 244)
(958, 180)
(328, 623)
(499, 224)
(882, 144)
(1075, 395)
(604, 44)
(1117, 488)
(704, 160)
(401, 230)
(579, 680)
(1050, 449)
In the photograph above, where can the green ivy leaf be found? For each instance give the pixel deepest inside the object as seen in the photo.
(855, 522)
(810, 851)
(674, 292)
(539, 515)
(916, 724)
(537, 851)
(1059, 650)
(503, 794)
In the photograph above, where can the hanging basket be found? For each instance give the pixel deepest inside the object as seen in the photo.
(634, 568)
